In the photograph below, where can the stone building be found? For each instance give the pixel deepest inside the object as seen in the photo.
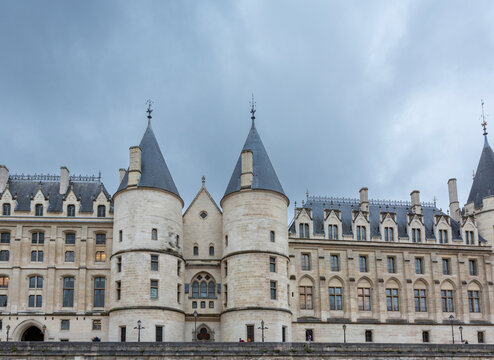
(77, 263)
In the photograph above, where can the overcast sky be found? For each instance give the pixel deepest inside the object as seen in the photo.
(383, 94)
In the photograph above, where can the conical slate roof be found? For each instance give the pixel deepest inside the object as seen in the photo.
(264, 176)
(483, 183)
(154, 172)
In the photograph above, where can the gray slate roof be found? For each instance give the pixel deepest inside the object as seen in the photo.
(400, 208)
(154, 171)
(265, 177)
(483, 183)
(86, 191)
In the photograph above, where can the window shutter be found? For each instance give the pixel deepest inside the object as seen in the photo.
(186, 288)
(218, 290)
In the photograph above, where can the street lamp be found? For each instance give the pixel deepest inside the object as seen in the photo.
(8, 329)
(262, 329)
(43, 328)
(195, 325)
(461, 334)
(344, 333)
(451, 318)
(139, 327)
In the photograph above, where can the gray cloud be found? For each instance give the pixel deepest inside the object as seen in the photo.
(380, 94)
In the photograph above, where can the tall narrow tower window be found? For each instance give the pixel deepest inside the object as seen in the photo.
(211, 250)
(226, 240)
(154, 234)
(120, 236)
(271, 236)
(196, 250)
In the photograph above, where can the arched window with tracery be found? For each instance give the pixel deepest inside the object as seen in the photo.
(203, 286)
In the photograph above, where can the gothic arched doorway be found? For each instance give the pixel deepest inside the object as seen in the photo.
(33, 333)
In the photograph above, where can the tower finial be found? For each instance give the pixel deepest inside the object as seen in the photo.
(253, 109)
(483, 116)
(203, 180)
(149, 110)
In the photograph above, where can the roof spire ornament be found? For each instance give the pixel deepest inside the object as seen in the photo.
(149, 103)
(253, 109)
(203, 180)
(483, 116)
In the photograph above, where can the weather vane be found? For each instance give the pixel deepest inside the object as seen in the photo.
(149, 110)
(253, 108)
(483, 116)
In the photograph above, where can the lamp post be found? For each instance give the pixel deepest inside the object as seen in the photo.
(195, 325)
(262, 329)
(8, 329)
(139, 327)
(461, 334)
(451, 318)
(344, 333)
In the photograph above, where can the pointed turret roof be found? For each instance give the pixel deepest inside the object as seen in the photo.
(154, 171)
(483, 182)
(264, 176)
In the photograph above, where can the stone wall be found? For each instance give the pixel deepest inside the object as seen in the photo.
(60, 350)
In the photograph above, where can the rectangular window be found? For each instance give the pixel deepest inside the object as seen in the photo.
(3, 300)
(391, 264)
(364, 300)
(38, 238)
(446, 267)
(203, 304)
(5, 238)
(226, 268)
(472, 267)
(250, 333)
(283, 334)
(100, 256)
(4, 282)
(447, 300)
(38, 210)
(303, 230)
(99, 292)
(69, 256)
(416, 237)
(335, 262)
(154, 262)
(154, 289)
(363, 263)
(120, 236)
(68, 292)
(469, 237)
(65, 325)
(4, 255)
(35, 301)
(361, 233)
(194, 304)
(392, 300)
(474, 301)
(309, 335)
(420, 297)
(425, 337)
(273, 289)
(211, 250)
(119, 264)
(443, 236)
(70, 239)
(306, 262)
(37, 256)
(118, 288)
(271, 236)
(179, 265)
(305, 293)
(211, 304)
(159, 333)
(480, 337)
(6, 209)
(419, 265)
(154, 234)
(101, 211)
(97, 324)
(335, 302)
(368, 335)
(178, 293)
(388, 234)
(226, 295)
(100, 239)
(333, 232)
(272, 264)
(123, 334)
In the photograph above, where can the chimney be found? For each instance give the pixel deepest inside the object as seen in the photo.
(64, 180)
(416, 207)
(134, 165)
(247, 170)
(4, 178)
(121, 173)
(454, 205)
(364, 199)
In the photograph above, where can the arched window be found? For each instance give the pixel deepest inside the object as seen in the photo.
(204, 289)
(392, 296)
(203, 286)
(271, 236)
(6, 209)
(305, 294)
(35, 282)
(335, 295)
(196, 250)
(474, 298)
(211, 250)
(38, 210)
(420, 296)
(195, 289)
(447, 297)
(364, 295)
(71, 210)
(101, 211)
(154, 234)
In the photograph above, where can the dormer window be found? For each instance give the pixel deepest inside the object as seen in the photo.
(71, 210)
(443, 236)
(361, 233)
(469, 237)
(332, 232)
(303, 230)
(101, 211)
(416, 236)
(388, 234)
(6, 209)
(38, 210)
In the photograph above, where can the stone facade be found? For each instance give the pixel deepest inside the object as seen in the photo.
(76, 263)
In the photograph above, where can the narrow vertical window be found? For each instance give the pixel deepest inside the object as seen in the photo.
(99, 292)
(179, 265)
(273, 289)
(272, 264)
(446, 267)
(392, 300)
(71, 210)
(391, 264)
(154, 289)
(416, 236)
(335, 302)
(196, 250)
(6, 209)
(226, 240)
(119, 289)
(123, 334)
(368, 335)
(68, 292)
(101, 211)
(154, 234)
(363, 263)
(154, 262)
(119, 264)
(159, 333)
(120, 236)
(38, 210)
(250, 333)
(178, 293)
(211, 250)
(425, 336)
(472, 267)
(335, 263)
(306, 262)
(271, 236)
(419, 268)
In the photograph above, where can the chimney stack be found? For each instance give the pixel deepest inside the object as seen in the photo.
(416, 207)
(454, 205)
(134, 165)
(121, 173)
(364, 199)
(247, 170)
(4, 178)
(64, 180)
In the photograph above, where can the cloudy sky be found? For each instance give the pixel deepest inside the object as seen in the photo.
(383, 94)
